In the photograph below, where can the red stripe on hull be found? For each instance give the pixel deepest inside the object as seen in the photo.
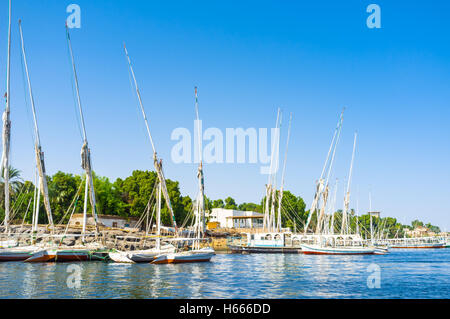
(58, 257)
(418, 247)
(41, 259)
(12, 258)
(180, 261)
(323, 253)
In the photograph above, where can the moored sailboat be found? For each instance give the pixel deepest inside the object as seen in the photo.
(272, 238)
(148, 255)
(10, 251)
(351, 244)
(196, 253)
(59, 253)
(379, 248)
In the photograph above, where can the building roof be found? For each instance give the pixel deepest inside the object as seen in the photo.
(245, 217)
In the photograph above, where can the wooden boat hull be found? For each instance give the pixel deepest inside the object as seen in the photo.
(265, 250)
(60, 256)
(201, 255)
(318, 250)
(120, 257)
(41, 256)
(72, 255)
(420, 246)
(16, 254)
(141, 256)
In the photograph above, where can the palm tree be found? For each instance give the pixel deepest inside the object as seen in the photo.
(15, 184)
(15, 180)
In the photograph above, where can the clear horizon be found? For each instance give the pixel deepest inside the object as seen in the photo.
(247, 59)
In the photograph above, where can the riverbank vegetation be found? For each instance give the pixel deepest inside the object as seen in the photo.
(129, 197)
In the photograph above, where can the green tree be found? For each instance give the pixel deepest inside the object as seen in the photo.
(62, 188)
(108, 197)
(137, 189)
(250, 207)
(230, 203)
(218, 203)
(292, 210)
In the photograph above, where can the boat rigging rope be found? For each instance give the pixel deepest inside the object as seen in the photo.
(18, 202)
(27, 106)
(75, 105)
(68, 223)
(147, 207)
(77, 195)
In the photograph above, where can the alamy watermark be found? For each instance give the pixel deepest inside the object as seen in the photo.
(74, 279)
(235, 145)
(374, 19)
(374, 279)
(74, 19)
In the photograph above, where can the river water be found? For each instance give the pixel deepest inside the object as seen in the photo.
(399, 274)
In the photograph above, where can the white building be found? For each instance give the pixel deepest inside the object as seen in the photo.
(231, 218)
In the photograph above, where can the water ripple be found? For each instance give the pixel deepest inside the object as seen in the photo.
(404, 274)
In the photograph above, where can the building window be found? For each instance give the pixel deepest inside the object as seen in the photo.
(114, 224)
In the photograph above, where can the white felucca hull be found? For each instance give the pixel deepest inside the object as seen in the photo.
(192, 256)
(345, 250)
(141, 256)
(120, 257)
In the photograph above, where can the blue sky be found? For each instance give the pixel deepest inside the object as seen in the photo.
(247, 58)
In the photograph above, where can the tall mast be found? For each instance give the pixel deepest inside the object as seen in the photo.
(344, 229)
(7, 128)
(157, 163)
(36, 199)
(370, 215)
(269, 186)
(325, 183)
(76, 85)
(85, 152)
(200, 223)
(333, 207)
(357, 212)
(39, 154)
(280, 196)
(158, 219)
(321, 183)
(274, 175)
